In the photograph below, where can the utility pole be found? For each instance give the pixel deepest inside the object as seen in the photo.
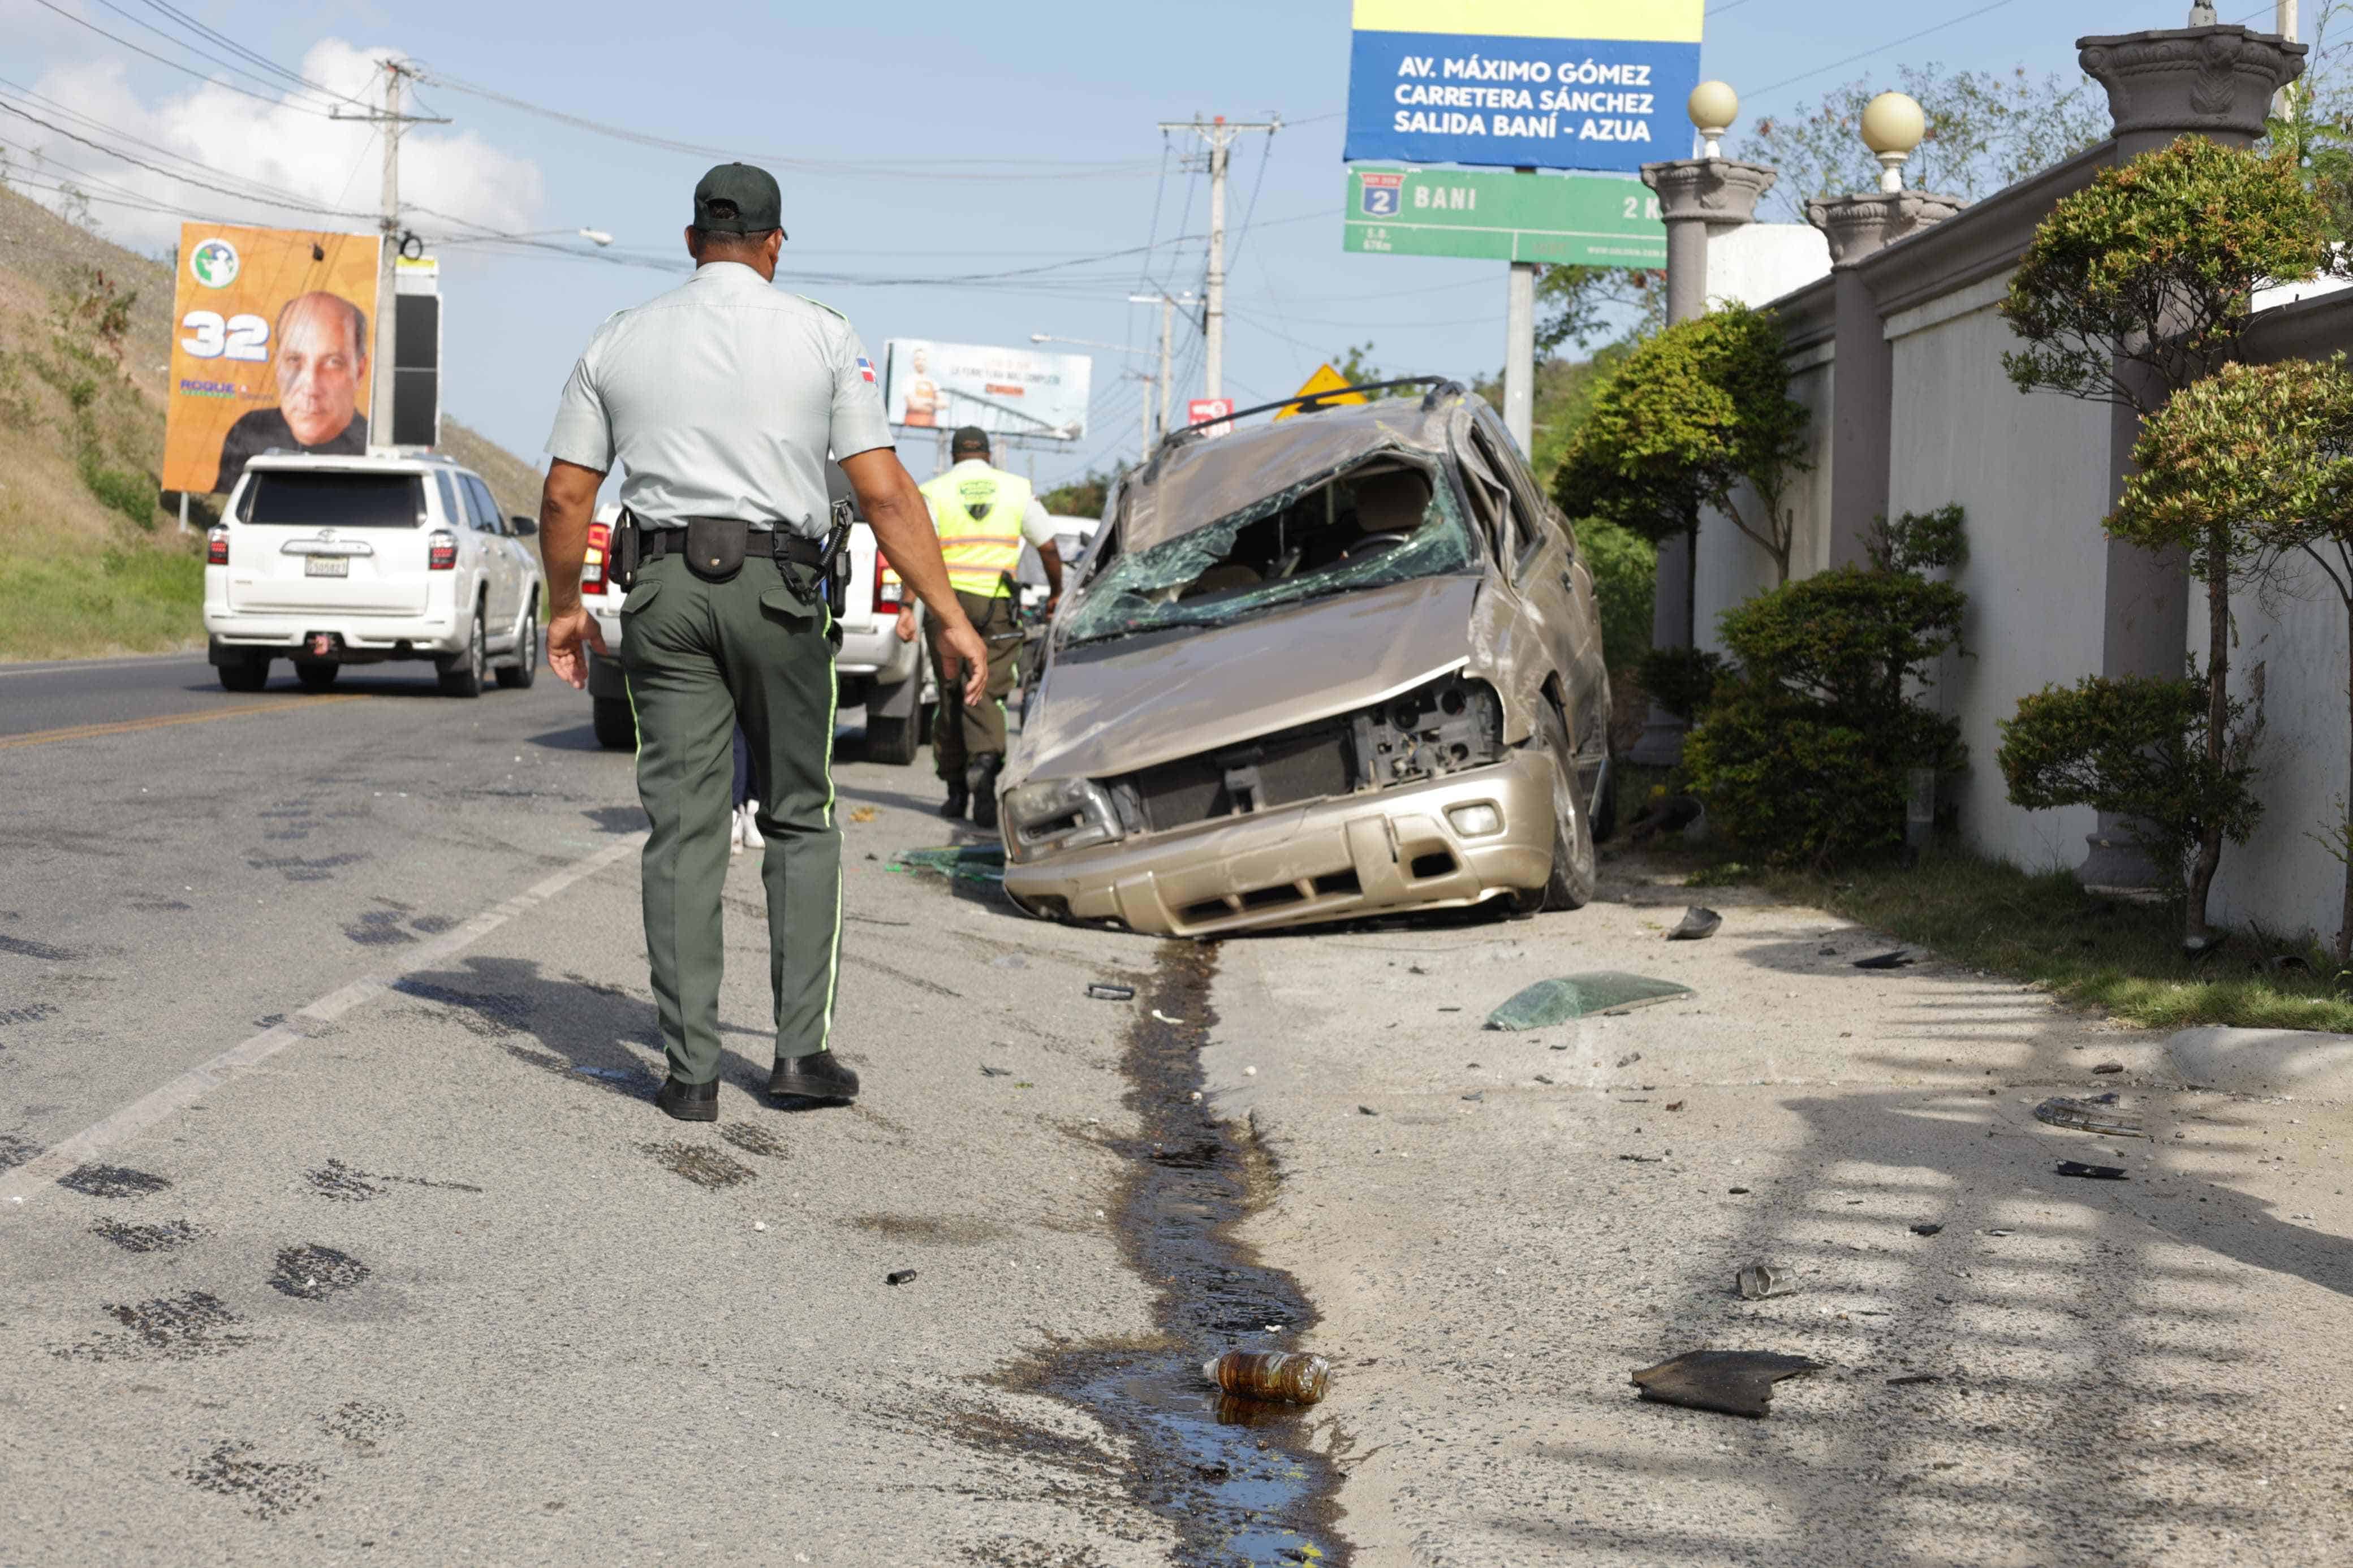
(1168, 303)
(1219, 136)
(380, 356)
(2284, 23)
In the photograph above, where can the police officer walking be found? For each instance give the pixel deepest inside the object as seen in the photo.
(720, 400)
(983, 514)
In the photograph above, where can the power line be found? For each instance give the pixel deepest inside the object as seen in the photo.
(1882, 48)
(225, 41)
(184, 179)
(926, 169)
(185, 70)
(174, 38)
(69, 113)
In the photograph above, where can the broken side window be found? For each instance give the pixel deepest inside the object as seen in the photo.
(1374, 522)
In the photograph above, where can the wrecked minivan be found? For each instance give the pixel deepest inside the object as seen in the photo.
(1316, 670)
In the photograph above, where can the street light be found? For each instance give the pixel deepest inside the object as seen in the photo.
(1086, 343)
(1712, 107)
(1893, 127)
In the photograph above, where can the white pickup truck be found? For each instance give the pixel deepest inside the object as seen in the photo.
(875, 669)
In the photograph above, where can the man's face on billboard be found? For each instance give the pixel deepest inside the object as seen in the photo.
(319, 363)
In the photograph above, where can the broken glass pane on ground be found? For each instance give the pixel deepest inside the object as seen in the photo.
(1550, 1002)
(960, 862)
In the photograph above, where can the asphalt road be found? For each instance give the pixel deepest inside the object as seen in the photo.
(332, 1014)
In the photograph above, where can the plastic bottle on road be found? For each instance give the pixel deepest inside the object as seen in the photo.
(1291, 1376)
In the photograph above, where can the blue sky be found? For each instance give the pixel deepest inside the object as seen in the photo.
(1066, 94)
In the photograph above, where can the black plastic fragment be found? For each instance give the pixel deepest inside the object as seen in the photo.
(1895, 958)
(2095, 1172)
(1910, 1378)
(1735, 1383)
(987, 1071)
(1103, 993)
(898, 1276)
(1698, 925)
(1927, 1227)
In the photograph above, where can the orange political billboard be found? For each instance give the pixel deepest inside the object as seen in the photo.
(273, 349)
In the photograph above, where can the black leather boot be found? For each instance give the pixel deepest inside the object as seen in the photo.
(980, 777)
(690, 1101)
(817, 1076)
(958, 796)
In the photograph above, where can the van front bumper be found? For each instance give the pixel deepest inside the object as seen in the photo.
(1332, 860)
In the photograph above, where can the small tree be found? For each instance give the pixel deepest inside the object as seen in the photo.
(2274, 444)
(2144, 282)
(1692, 417)
(2222, 463)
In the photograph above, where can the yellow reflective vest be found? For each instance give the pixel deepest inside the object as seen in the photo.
(978, 512)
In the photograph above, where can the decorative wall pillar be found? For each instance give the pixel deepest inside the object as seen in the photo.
(2215, 82)
(1698, 198)
(1862, 388)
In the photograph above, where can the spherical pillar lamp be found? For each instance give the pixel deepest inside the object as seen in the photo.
(1712, 107)
(1893, 128)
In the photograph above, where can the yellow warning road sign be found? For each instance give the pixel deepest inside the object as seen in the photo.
(1325, 379)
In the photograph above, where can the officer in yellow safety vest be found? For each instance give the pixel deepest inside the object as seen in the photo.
(983, 514)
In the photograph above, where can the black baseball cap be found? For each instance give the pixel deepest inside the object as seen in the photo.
(967, 438)
(736, 198)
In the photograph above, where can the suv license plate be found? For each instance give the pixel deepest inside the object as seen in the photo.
(327, 565)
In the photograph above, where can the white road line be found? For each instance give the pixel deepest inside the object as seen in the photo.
(41, 1172)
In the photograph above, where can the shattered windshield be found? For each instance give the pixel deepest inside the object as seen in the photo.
(1378, 522)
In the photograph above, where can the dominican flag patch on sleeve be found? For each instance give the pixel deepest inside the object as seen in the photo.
(866, 367)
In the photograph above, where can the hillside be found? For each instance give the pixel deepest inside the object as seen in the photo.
(91, 561)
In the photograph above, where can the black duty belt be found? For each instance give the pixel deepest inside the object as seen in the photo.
(783, 545)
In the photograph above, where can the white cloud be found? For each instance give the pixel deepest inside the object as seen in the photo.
(305, 157)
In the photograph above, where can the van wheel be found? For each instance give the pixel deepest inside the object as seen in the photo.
(1570, 886)
(462, 674)
(891, 742)
(616, 723)
(518, 676)
(247, 675)
(316, 674)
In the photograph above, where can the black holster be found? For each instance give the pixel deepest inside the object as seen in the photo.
(625, 552)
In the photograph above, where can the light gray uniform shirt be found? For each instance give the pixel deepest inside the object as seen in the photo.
(721, 399)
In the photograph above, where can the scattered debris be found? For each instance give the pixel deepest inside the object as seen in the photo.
(1895, 958)
(2083, 1116)
(1674, 1105)
(2110, 1066)
(1476, 1095)
(1826, 950)
(987, 1071)
(1542, 1079)
(612, 1075)
(899, 1277)
(1249, 1072)
(1738, 1192)
(957, 862)
(1164, 1019)
(1630, 1059)
(1103, 993)
(1572, 997)
(1735, 1383)
(1367, 1111)
(112, 1182)
(1643, 1159)
(759, 1224)
(1292, 1377)
(1927, 1227)
(1911, 1378)
(1757, 1281)
(863, 813)
(1698, 925)
(2094, 1172)
(315, 1273)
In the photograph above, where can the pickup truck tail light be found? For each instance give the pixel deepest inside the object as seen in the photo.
(216, 547)
(889, 593)
(442, 552)
(592, 567)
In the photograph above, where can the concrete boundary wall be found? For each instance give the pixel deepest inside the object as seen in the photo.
(2052, 599)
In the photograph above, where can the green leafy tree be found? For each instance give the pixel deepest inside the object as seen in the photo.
(1803, 756)
(2272, 444)
(1986, 129)
(2145, 281)
(1084, 496)
(2136, 749)
(1579, 304)
(1698, 416)
(2134, 288)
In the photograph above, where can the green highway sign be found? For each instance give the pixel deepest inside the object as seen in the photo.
(1582, 220)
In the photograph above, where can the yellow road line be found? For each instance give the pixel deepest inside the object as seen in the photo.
(128, 726)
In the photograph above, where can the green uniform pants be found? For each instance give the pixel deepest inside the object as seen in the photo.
(703, 657)
(960, 733)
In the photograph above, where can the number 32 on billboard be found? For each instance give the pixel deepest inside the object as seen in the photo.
(236, 337)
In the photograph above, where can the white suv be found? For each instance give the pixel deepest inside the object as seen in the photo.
(872, 667)
(335, 561)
